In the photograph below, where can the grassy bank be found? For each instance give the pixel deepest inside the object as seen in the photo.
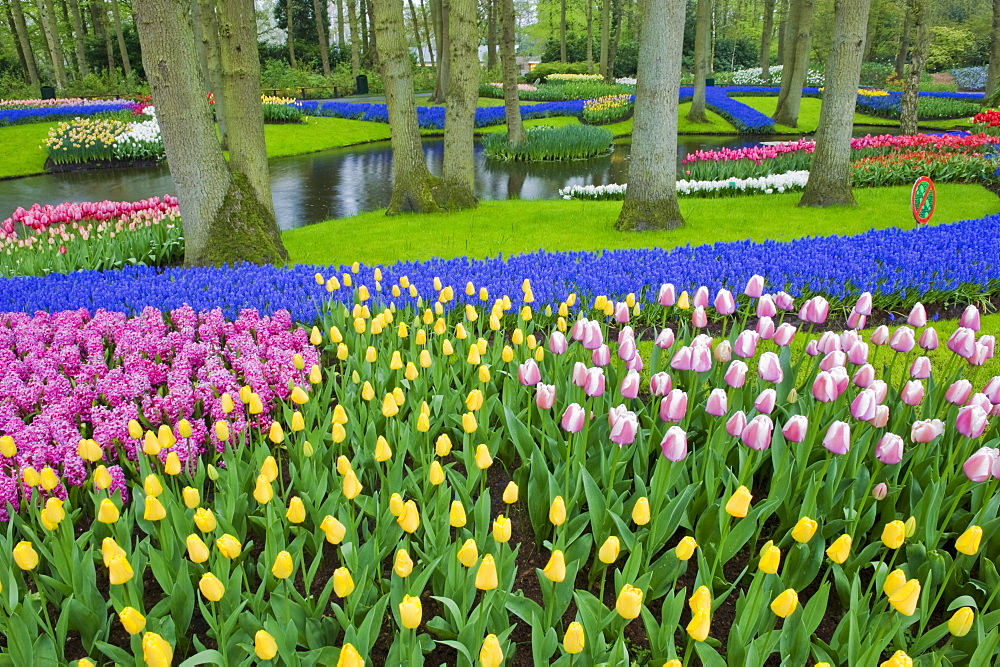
(513, 227)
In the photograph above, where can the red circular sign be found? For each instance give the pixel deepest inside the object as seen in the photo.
(923, 199)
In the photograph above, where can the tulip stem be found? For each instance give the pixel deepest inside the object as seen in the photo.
(687, 651)
(951, 512)
(604, 578)
(937, 598)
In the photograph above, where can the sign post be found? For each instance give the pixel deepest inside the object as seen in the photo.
(923, 200)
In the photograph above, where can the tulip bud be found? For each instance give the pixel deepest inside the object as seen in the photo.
(785, 603)
(804, 530)
(204, 519)
(25, 555)
(961, 621)
(685, 548)
(197, 549)
(436, 475)
(410, 612)
(770, 559)
(880, 491)
(211, 587)
(910, 526)
(154, 510)
(609, 550)
(456, 516)
(699, 626)
(156, 652)
(442, 446)
(557, 511)
(343, 583)
(905, 598)
(107, 512)
(229, 546)
(510, 493)
(640, 511)
(403, 564)
(840, 549)
(968, 542)
(132, 620)
(334, 529)
(483, 458)
(555, 569)
(283, 565)
(486, 575)
(264, 645)
(501, 529)
(629, 602)
(490, 654)
(263, 493)
(739, 502)
(351, 486)
(191, 496)
(409, 520)
(349, 657)
(893, 582)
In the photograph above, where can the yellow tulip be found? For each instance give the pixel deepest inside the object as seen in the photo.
(804, 530)
(739, 503)
(367, 391)
(110, 548)
(191, 496)
(102, 478)
(156, 652)
(483, 458)
(684, 301)
(296, 510)
(211, 587)
(894, 534)
(409, 520)
(299, 396)
(474, 400)
(507, 354)
(423, 423)
(786, 603)
(490, 654)
(510, 493)
(629, 602)
(229, 546)
(53, 513)
(31, 476)
(640, 511)
(474, 358)
(898, 659)
(343, 465)
(275, 434)
(338, 433)
(184, 428)
(119, 569)
(501, 529)
(262, 492)
(166, 437)
(227, 404)
(88, 449)
(396, 504)
(555, 569)
(424, 359)
(701, 600)
(961, 621)
(151, 486)
(222, 430)
(204, 518)
(351, 487)
(573, 640)
(197, 549)
(382, 450)
(154, 510)
(557, 511)
(410, 612)
(469, 424)
(840, 549)
(48, 478)
(108, 512)
(255, 407)
(298, 422)
(468, 553)
(905, 598)
(968, 542)
(456, 517)
(486, 576)
(609, 551)
(389, 406)
(134, 429)
(25, 555)
(770, 559)
(411, 373)
(334, 529)
(269, 469)
(264, 645)
(436, 475)
(343, 583)
(315, 374)
(442, 446)
(893, 582)
(403, 564)
(283, 566)
(677, 663)
(172, 466)
(132, 620)
(685, 548)
(484, 374)
(700, 626)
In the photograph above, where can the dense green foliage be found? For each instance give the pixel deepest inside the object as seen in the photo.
(572, 142)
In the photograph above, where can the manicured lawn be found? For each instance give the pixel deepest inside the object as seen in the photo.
(809, 116)
(320, 133)
(23, 154)
(513, 227)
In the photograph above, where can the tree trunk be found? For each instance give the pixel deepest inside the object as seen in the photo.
(352, 14)
(289, 35)
(324, 42)
(491, 35)
(22, 39)
(222, 217)
(993, 72)
(444, 52)
(909, 105)
(48, 20)
(458, 174)
(605, 35)
(416, 33)
(616, 33)
(796, 64)
(413, 186)
(116, 15)
(99, 17)
(341, 34)
(508, 59)
(562, 31)
(782, 24)
(702, 47)
(904, 43)
(372, 41)
(81, 48)
(590, 37)
(428, 32)
(651, 197)
(765, 40)
(65, 27)
(830, 172)
(13, 33)
(207, 30)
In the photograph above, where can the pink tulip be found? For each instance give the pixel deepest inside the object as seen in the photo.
(902, 340)
(765, 328)
(881, 416)
(699, 319)
(824, 388)
(674, 444)
(864, 376)
(573, 418)
(795, 428)
(881, 390)
(724, 302)
(682, 359)
(990, 343)
(992, 390)
(863, 406)
(835, 359)
(864, 304)
(958, 392)
(723, 352)
(634, 364)
(983, 464)
(929, 339)
(595, 384)
(736, 374)
(856, 320)
(912, 393)
(858, 354)
(926, 430)
(601, 356)
(829, 342)
(766, 307)
(630, 385)
(980, 356)
(667, 295)
(769, 368)
(718, 403)
(971, 421)
(812, 348)
(920, 369)
(889, 449)
(578, 329)
(757, 433)
(528, 373)
(838, 438)
(557, 342)
(746, 344)
(918, 316)
(545, 395)
(626, 333)
(736, 424)
(815, 310)
(593, 336)
(784, 301)
(665, 339)
(784, 334)
(625, 427)
(970, 318)
(880, 491)
(674, 406)
(880, 336)
(621, 312)
(700, 297)
(701, 358)
(579, 374)
(755, 286)
(660, 384)
(765, 401)
(626, 349)
(963, 342)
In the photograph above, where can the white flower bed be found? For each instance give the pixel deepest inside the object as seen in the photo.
(775, 183)
(752, 77)
(142, 141)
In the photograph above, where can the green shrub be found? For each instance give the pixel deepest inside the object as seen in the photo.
(542, 71)
(560, 92)
(572, 142)
(282, 113)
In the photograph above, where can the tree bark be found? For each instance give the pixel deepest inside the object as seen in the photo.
(50, 29)
(651, 197)
(909, 105)
(99, 17)
(765, 40)
(605, 35)
(81, 48)
(207, 30)
(793, 77)
(324, 42)
(616, 33)
(416, 34)
(22, 39)
(702, 47)
(372, 41)
(491, 35)
(413, 187)
(222, 217)
(341, 35)
(590, 37)
(782, 24)
(13, 33)
(444, 52)
(830, 172)
(562, 31)
(904, 43)
(352, 14)
(508, 60)
(993, 71)
(428, 32)
(116, 15)
(458, 173)
(289, 35)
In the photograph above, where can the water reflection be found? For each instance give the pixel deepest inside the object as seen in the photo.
(343, 182)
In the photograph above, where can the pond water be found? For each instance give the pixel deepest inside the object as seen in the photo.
(345, 181)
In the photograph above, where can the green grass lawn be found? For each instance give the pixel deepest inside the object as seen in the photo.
(809, 116)
(513, 227)
(23, 154)
(319, 134)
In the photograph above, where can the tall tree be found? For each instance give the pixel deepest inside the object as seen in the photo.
(13, 32)
(78, 37)
(782, 25)
(372, 41)
(590, 36)
(798, 42)
(222, 217)
(413, 187)
(341, 35)
(909, 105)
(99, 17)
(117, 17)
(508, 60)
(616, 33)
(491, 34)
(904, 43)
(702, 53)
(444, 51)
(47, 13)
(993, 71)
(206, 31)
(605, 35)
(428, 31)
(765, 40)
(416, 33)
(562, 31)
(352, 14)
(458, 172)
(324, 42)
(651, 197)
(22, 38)
(289, 32)
(830, 173)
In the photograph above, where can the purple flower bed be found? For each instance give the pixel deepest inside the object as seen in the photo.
(18, 116)
(432, 118)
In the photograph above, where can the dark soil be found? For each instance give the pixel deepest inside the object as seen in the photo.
(75, 167)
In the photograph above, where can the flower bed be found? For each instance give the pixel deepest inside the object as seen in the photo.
(605, 110)
(94, 140)
(775, 183)
(432, 118)
(929, 107)
(572, 142)
(752, 77)
(970, 78)
(26, 111)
